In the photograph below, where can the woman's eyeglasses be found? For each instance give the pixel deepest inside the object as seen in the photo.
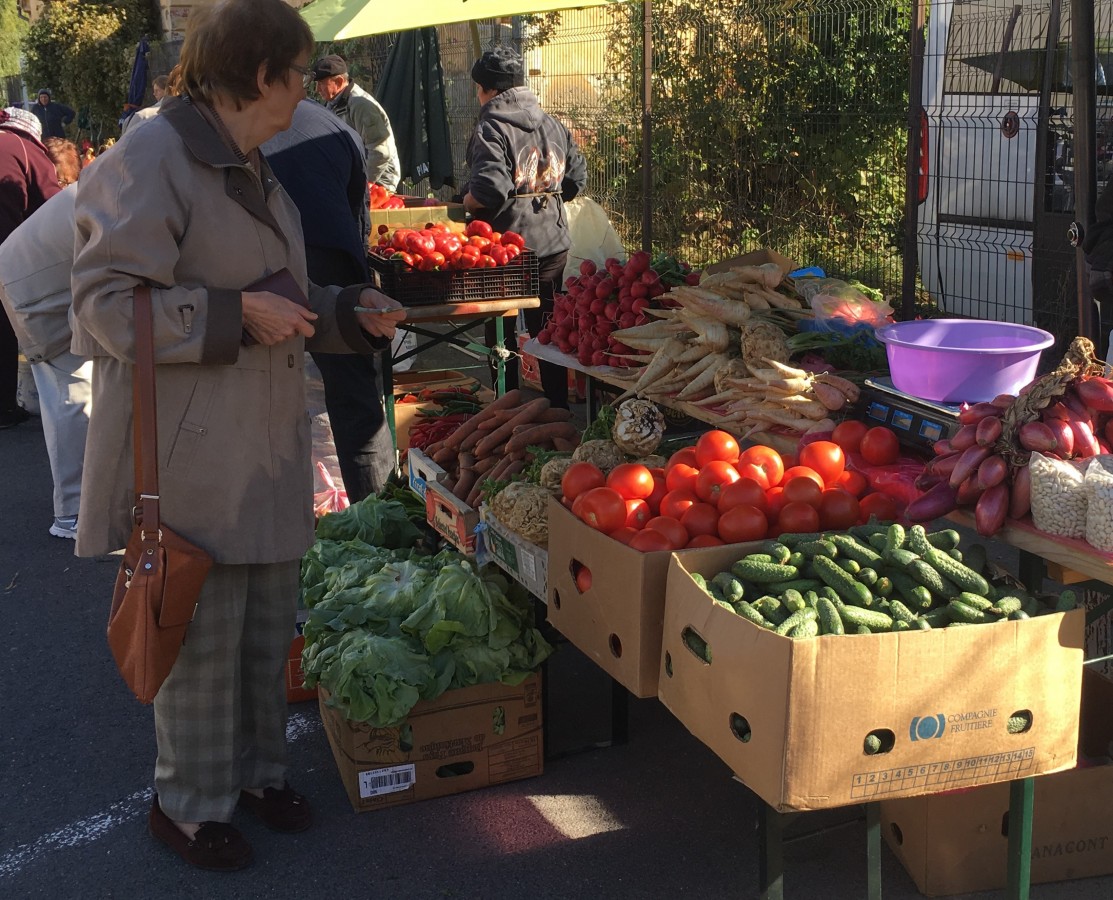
(307, 79)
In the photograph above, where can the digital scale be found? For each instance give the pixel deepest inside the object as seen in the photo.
(917, 423)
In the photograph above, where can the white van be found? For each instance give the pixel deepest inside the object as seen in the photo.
(996, 186)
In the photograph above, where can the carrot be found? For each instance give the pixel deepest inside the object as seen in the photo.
(499, 435)
(444, 456)
(847, 388)
(431, 450)
(537, 434)
(565, 445)
(486, 464)
(509, 400)
(554, 415)
(465, 483)
(829, 396)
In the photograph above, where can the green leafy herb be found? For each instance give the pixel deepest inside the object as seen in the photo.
(600, 428)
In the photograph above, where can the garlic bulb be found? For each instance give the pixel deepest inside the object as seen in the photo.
(638, 427)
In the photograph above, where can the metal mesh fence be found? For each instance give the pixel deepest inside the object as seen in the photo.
(785, 126)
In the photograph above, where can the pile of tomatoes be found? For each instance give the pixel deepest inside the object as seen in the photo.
(441, 246)
(717, 493)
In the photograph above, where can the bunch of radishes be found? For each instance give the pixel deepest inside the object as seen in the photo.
(976, 468)
(598, 302)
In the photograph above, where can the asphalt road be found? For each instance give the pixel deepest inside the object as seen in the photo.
(657, 817)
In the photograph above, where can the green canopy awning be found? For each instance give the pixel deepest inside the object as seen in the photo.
(334, 20)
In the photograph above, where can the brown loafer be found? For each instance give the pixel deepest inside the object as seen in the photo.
(217, 846)
(280, 810)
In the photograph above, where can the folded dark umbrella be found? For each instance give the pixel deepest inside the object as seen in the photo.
(137, 86)
(411, 91)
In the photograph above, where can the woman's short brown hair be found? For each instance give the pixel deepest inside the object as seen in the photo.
(228, 41)
(63, 154)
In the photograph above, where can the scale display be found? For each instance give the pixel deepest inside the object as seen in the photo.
(917, 423)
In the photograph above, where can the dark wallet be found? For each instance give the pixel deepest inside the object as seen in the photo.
(282, 283)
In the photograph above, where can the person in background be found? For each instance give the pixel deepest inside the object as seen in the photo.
(27, 180)
(53, 116)
(63, 154)
(35, 264)
(523, 165)
(189, 206)
(363, 113)
(160, 88)
(319, 161)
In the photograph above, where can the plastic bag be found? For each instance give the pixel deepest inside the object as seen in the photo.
(593, 236)
(840, 305)
(331, 499)
(1058, 495)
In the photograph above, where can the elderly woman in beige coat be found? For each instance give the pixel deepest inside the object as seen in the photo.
(188, 205)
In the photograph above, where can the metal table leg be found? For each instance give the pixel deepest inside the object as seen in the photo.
(873, 851)
(500, 356)
(1021, 794)
(770, 828)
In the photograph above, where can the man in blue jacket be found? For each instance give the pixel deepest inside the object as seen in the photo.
(523, 165)
(53, 116)
(319, 161)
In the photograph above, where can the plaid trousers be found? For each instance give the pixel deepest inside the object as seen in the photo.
(220, 717)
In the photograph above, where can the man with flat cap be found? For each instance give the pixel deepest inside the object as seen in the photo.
(362, 112)
(523, 165)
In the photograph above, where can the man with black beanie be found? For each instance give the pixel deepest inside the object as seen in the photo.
(523, 165)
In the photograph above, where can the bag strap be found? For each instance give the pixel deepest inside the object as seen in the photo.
(144, 417)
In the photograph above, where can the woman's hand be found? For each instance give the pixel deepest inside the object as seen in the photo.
(380, 324)
(272, 319)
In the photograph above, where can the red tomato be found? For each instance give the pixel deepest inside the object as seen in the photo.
(826, 457)
(687, 456)
(713, 477)
(774, 501)
(576, 505)
(743, 492)
(633, 480)
(580, 477)
(659, 491)
(649, 540)
(798, 471)
(701, 518)
(682, 476)
(670, 528)
(717, 445)
(801, 489)
(637, 513)
(765, 458)
(603, 509)
(583, 579)
(753, 473)
(743, 523)
(624, 534)
(703, 540)
(838, 509)
(853, 482)
(797, 518)
(849, 434)
(880, 446)
(881, 506)
(675, 503)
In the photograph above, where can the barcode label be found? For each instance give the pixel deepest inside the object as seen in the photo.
(385, 781)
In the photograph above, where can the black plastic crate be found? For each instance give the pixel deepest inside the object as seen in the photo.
(516, 279)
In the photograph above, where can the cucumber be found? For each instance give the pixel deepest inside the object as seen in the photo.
(976, 558)
(793, 601)
(791, 540)
(862, 629)
(1005, 606)
(878, 541)
(902, 559)
(955, 554)
(937, 618)
(730, 586)
(974, 600)
(797, 559)
(699, 580)
(901, 613)
(762, 572)
(901, 625)
(922, 625)
(917, 540)
(818, 548)
(931, 579)
(855, 550)
(778, 551)
(830, 622)
(811, 598)
(962, 575)
(947, 539)
(849, 565)
(759, 558)
(867, 576)
(831, 594)
(746, 611)
(910, 591)
(882, 588)
(808, 629)
(1018, 615)
(716, 592)
(795, 619)
(798, 584)
(767, 605)
(894, 540)
(872, 527)
(1068, 600)
(871, 619)
(966, 614)
(843, 583)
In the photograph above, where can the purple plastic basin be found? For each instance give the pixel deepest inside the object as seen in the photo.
(962, 360)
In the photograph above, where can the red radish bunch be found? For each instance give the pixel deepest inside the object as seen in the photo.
(599, 301)
(969, 470)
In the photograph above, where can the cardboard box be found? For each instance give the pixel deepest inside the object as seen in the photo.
(529, 372)
(617, 621)
(465, 739)
(451, 517)
(415, 214)
(527, 563)
(406, 415)
(957, 842)
(422, 472)
(296, 691)
(790, 717)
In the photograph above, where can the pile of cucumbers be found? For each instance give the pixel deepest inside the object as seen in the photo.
(874, 578)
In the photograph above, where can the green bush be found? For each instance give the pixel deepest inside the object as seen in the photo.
(84, 52)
